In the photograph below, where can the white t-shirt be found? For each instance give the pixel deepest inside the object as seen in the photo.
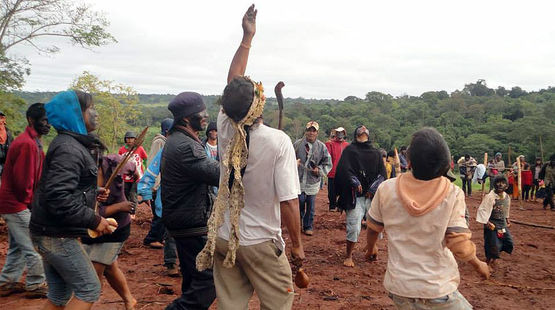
(270, 177)
(419, 263)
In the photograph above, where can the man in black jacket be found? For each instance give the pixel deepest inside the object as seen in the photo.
(187, 174)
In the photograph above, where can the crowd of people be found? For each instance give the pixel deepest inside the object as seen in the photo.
(218, 205)
(536, 180)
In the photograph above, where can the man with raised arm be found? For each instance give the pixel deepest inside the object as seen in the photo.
(258, 190)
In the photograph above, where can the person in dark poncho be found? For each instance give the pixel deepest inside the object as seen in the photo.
(104, 251)
(359, 172)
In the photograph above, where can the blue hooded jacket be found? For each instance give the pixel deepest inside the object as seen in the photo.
(64, 113)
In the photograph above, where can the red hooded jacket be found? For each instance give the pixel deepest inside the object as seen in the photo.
(22, 172)
(335, 148)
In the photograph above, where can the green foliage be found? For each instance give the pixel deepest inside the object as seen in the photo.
(26, 21)
(14, 107)
(470, 123)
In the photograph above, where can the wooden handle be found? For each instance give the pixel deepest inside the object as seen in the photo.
(279, 98)
(397, 163)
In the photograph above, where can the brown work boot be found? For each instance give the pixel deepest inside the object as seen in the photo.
(308, 232)
(38, 292)
(7, 289)
(172, 271)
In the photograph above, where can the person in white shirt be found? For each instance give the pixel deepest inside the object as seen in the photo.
(493, 212)
(259, 186)
(424, 217)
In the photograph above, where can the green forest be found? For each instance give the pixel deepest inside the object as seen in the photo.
(474, 120)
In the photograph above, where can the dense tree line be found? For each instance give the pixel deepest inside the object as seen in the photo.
(474, 120)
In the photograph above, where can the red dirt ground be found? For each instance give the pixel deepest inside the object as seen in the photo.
(518, 282)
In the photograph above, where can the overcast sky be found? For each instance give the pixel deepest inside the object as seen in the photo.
(320, 49)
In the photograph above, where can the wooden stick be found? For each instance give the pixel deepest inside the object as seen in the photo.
(509, 155)
(486, 165)
(138, 142)
(532, 224)
(541, 147)
(279, 98)
(519, 183)
(397, 163)
(496, 283)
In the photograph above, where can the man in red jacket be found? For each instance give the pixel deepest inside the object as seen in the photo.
(21, 174)
(335, 147)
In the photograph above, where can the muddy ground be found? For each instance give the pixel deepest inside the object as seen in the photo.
(518, 282)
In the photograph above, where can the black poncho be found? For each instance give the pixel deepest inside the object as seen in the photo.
(360, 163)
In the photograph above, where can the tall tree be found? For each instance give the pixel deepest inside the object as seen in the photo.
(116, 105)
(26, 21)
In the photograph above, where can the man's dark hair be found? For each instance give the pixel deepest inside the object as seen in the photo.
(237, 98)
(391, 154)
(500, 179)
(85, 99)
(429, 154)
(36, 111)
(403, 148)
(466, 156)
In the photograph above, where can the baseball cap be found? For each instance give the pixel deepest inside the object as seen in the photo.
(313, 124)
(340, 129)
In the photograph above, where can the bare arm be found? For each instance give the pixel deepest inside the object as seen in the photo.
(371, 248)
(292, 219)
(239, 62)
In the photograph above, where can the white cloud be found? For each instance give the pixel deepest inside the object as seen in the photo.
(321, 49)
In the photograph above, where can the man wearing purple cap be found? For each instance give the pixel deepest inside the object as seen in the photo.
(187, 175)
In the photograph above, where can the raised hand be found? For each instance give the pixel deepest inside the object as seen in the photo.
(249, 21)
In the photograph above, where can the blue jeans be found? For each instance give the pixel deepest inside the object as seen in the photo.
(68, 269)
(306, 203)
(21, 253)
(453, 301)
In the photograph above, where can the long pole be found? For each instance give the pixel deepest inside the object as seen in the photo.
(279, 98)
(485, 165)
(509, 155)
(397, 164)
(541, 147)
(519, 183)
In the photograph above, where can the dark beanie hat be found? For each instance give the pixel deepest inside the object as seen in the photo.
(166, 125)
(211, 126)
(186, 104)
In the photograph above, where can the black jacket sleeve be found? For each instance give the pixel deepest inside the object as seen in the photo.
(60, 191)
(195, 160)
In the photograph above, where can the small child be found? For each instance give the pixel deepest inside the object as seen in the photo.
(527, 179)
(424, 216)
(493, 212)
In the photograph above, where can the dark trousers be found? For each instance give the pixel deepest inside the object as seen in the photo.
(494, 245)
(467, 186)
(197, 287)
(526, 192)
(170, 251)
(548, 200)
(332, 195)
(157, 230)
(307, 206)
